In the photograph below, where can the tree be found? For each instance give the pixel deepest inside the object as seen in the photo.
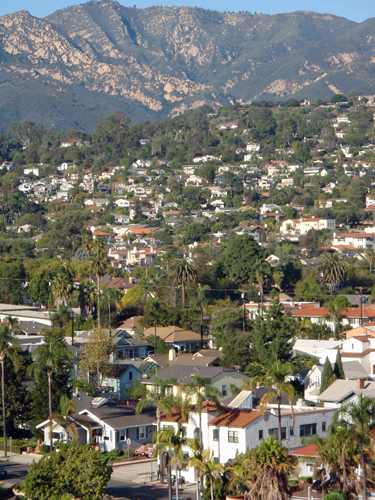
(12, 282)
(154, 308)
(333, 270)
(78, 471)
(99, 264)
(39, 286)
(327, 376)
(275, 378)
(201, 391)
(6, 340)
(239, 259)
(271, 467)
(170, 442)
(370, 256)
(208, 467)
(51, 357)
(87, 297)
(337, 307)
(61, 286)
(273, 332)
(309, 290)
(61, 316)
(201, 299)
(339, 369)
(95, 357)
(183, 272)
(357, 417)
(261, 270)
(87, 244)
(110, 296)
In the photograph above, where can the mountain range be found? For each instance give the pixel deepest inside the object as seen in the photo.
(82, 63)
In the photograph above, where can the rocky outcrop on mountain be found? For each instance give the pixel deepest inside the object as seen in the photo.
(82, 63)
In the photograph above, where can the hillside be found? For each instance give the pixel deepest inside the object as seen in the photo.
(83, 63)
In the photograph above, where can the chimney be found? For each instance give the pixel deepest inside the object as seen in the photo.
(360, 383)
(172, 355)
(260, 384)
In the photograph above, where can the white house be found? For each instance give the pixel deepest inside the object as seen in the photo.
(357, 240)
(303, 226)
(122, 203)
(33, 171)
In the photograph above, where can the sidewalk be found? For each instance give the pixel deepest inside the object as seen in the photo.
(19, 459)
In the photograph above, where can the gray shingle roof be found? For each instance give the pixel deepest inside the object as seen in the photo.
(183, 373)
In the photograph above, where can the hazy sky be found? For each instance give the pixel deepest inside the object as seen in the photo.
(358, 10)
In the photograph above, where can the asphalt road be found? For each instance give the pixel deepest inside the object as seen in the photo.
(125, 481)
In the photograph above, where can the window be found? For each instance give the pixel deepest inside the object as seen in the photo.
(216, 435)
(307, 430)
(130, 375)
(275, 432)
(260, 434)
(120, 354)
(196, 433)
(224, 390)
(324, 426)
(232, 436)
(122, 435)
(142, 432)
(184, 431)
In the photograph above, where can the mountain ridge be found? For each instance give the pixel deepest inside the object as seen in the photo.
(157, 62)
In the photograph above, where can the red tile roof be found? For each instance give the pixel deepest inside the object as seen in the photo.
(356, 354)
(320, 312)
(236, 418)
(310, 450)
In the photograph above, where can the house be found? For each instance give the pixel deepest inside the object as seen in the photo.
(107, 237)
(312, 380)
(118, 378)
(98, 202)
(220, 377)
(304, 225)
(122, 203)
(182, 340)
(32, 171)
(127, 346)
(109, 422)
(341, 391)
(321, 315)
(356, 240)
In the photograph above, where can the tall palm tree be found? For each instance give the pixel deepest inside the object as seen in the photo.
(168, 258)
(333, 270)
(275, 378)
(358, 417)
(61, 316)
(154, 307)
(337, 308)
(99, 264)
(171, 442)
(87, 244)
(109, 298)
(200, 391)
(50, 358)
(183, 272)
(337, 463)
(239, 477)
(87, 297)
(271, 466)
(64, 418)
(261, 270)
(12, 323)
(61, 286)
(208, 468)
(370, 256)
(201, 296)
(6, 341)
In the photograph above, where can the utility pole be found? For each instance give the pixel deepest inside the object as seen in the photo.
(360, 292)
(244, 312)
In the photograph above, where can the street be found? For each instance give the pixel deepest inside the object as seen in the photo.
(126, 480)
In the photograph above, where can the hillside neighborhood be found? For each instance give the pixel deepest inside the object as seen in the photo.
(200, 291)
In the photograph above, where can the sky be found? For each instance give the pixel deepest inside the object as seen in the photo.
(358, 10)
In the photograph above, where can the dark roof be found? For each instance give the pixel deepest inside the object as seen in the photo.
(183, 373)
(121, 416)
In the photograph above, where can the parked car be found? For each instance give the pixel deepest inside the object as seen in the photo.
(3, 473)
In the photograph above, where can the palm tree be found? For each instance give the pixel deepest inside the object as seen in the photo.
(271, 466)
(170, 442)
(201, 293)
(64, 417)
(168, 258)
(239, 477)
(208, 468)
(154, 307)
(261, 271)
(370, 256)
(183, 272)
(99, 264)
(201, 391)
(50, 358)
(12, 323)
(6, 340)
(275, 378)
(87, 297)
(61, 287)
(358, 418)
(337, 308)
(336, 463)
(87, 244)
(333, 270)
(110, 296)
(61, 316)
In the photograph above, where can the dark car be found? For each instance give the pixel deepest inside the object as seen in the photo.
(3, 474)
